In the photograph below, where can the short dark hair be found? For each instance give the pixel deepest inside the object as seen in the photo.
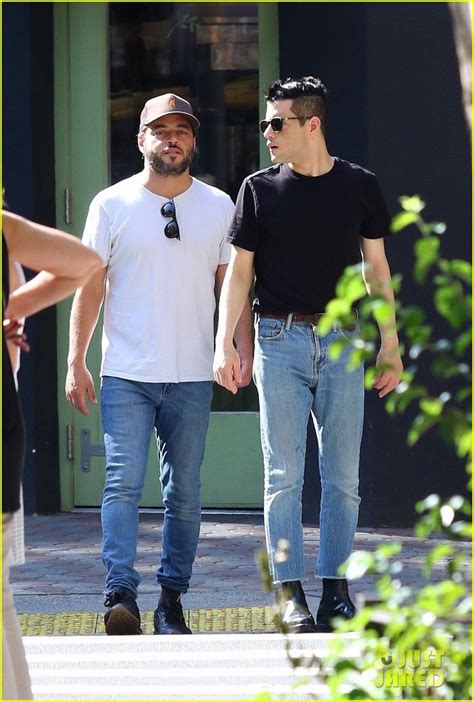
(308, 95)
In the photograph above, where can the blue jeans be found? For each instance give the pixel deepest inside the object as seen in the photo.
(179, 412)
(295, 377)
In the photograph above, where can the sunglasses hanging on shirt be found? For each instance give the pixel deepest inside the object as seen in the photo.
(171, 228)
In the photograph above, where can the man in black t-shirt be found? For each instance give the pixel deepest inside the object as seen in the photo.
(298, 224)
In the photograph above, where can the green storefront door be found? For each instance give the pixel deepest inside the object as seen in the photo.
(109, 59)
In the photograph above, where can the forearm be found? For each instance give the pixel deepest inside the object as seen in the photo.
(379, 281)
(17, 279)
(234, 308)
(84, 316)
(45, 249)
(243, 335)
(40, 292)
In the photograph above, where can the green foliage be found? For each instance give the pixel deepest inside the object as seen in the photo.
(437, 617)
(432, 624)
(449, 411)
(405, 622)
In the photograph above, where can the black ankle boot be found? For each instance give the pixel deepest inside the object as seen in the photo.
(168, 617)
(122, 616)
(295, 615)
(335, 602)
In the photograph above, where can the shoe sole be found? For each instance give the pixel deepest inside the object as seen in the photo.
(303, 628)
(122, 622)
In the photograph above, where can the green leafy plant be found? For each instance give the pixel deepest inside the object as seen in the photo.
(449, 409)
(412, 644)
(436, 619)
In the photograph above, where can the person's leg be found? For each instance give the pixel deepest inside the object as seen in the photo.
(128, 415)
(283, 372)
(182, 425)
(285, 360)
(339, 413)
(15, 676)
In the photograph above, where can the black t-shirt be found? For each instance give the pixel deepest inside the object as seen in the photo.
(305, 231)
(12, 424)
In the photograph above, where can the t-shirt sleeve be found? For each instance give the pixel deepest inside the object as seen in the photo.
(243, 230)
(225, 249)
(377, 221)
(97, 230)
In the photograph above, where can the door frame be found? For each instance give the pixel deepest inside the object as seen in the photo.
(82, 169)
(81, 161)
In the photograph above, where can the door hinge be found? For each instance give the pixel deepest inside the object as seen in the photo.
(70, 442)
(67, 205)
(88, 450)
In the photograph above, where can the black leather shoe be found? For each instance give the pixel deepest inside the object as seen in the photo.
(335, 602)
(295, 615)
(168, 617)
(123, 615)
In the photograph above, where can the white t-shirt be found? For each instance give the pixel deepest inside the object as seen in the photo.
(159, 300)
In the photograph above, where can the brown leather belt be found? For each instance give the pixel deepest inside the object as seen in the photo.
(308, 318)
(297, 317)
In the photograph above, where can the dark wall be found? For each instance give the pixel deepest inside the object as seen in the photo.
(394, 107)
(418, 143)
(28, 180)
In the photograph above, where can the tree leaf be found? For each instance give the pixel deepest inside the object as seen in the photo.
(449, 303)
(462, 269)
(426, 252)
(403, 220)
(431, 406)
(412, 203)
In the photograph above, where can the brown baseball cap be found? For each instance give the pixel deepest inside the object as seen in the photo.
(168, 104)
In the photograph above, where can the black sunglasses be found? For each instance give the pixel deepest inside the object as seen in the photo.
(171, 229)
(276, 123)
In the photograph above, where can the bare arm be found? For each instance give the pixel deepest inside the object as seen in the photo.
(64, 264)
(13, 329)
(234, 295)
(84, 315)
(242, 334)
(378, 280)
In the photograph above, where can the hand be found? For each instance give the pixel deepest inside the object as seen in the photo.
(246, 362)
(227, 370)
(12, 331)
(79, 386)
(390, 364)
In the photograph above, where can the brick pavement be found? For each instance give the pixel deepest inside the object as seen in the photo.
(64, 571)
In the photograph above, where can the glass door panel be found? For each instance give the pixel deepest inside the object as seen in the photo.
(207, 53)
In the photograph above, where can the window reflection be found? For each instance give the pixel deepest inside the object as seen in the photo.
(206, 52)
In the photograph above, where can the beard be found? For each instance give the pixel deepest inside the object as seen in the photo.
(165, 168)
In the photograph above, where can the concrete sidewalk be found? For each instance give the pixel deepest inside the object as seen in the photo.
(64, 570)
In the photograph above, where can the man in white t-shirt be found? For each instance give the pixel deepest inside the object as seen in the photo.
(161, 234)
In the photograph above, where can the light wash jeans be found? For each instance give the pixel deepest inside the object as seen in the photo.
(295, 377)
(180, 414)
